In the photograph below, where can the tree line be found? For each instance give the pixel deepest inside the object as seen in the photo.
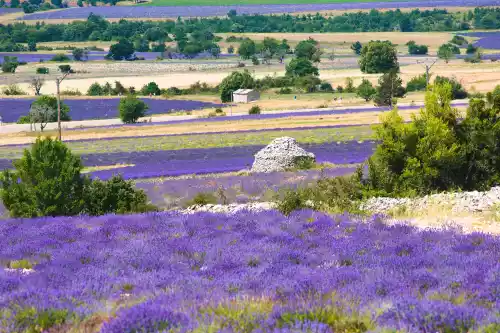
(97, 28)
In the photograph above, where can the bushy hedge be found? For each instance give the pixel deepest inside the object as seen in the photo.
(437, 151)
(47, 181)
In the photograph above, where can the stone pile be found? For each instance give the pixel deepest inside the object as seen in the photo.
(466, 202)
(231, 208)
(280, 155)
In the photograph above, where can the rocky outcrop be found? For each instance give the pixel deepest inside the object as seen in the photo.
(231, 208)
(466, 202)
(280, 155)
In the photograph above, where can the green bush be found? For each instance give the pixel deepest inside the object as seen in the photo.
(60, 57)
(115, 195)
(254, 110)
(457, 90)
(437, 151)
(235, 81)
(95, 89)
(131, 109)
(9, 67)
(202, 198)
(13, 90)
(47, 181)
(42, 70)
(417, 83)
(292, 200)
(150, 89)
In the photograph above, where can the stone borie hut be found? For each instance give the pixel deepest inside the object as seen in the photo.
(245, 95)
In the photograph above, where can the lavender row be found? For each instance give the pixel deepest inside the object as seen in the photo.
(172, 193)
(83, 109)
(318, 112)
(488, 39)
(216, 160)
(203, 11)
(308, 272)
(98, 55)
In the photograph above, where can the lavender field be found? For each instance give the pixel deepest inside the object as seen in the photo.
(99, 55)
(487, 40)
(162, 163)
(217, 10)
(169, 193)
(249, 272)
(103, 108)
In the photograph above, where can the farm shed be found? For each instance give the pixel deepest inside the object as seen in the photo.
(245, 95)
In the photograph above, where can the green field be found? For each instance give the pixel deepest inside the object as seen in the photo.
(249, 2)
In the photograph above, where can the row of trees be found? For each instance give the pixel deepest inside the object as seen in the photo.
(96, 28)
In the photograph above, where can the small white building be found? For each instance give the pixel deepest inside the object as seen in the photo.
(245, 95)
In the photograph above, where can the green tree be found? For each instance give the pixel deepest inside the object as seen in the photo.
(390, 87)
(9, 64)
(151, 89)
(356, 47)
(414, 48)
(437, 151)
(115, 195)
(78, 54)
(247, 49)
(60, 57)
(230, 49)
(122, 50)
(50, 103)
(235, 81)
(270, 45)
(46, 182)
(378, 57)
(349, 85)
(308, 83)
(308, 49)
(417, 83)
(301, 67)
(446, 52)
(457, 90)
(471, 49)
(255, 109)
(95, 89)
(131, 109)
(65, 68)
(32, 45)
(366, 90)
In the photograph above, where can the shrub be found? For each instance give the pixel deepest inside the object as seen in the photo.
(417, 83)
(115, 195)
(71, 92)
(202, 198)
(254, 110)
(46, 182)
(284, 91)
(9, 67)
(150, 89)
(366, 90)
(65, 69)
(219, 111)
(131, 108)
(255, 61)
(437, 151)
(235, 81)
(326, 86)
(457, 90)
(471, 49)
(12, 90)
(291, 200)
(95, 89)
(42, 70)
(60, 57)
(458, 40)
(414, 48)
